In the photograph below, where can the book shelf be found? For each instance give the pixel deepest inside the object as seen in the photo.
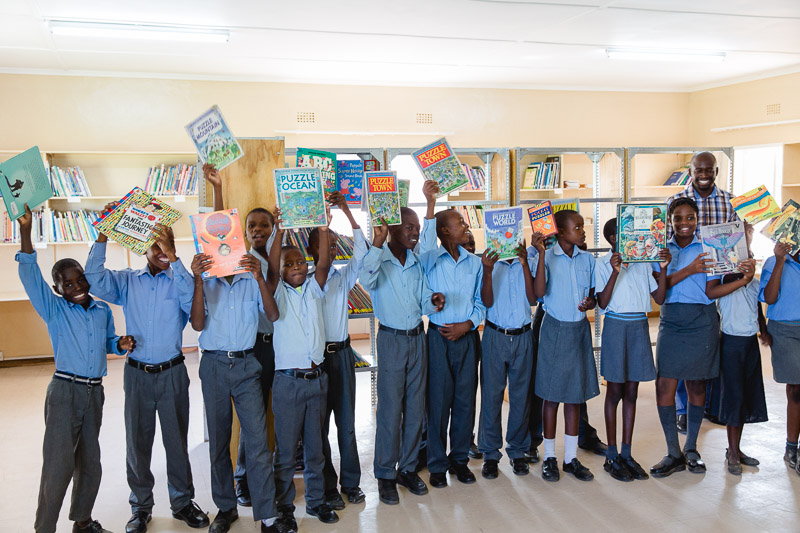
(790, 186)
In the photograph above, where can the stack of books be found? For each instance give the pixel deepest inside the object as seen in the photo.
(68, 181)
(55, 226)
(358, 301)
(176, 180)
(679, 177)
(543, 175)
(476, 177)
(299, 238)
(473, 215)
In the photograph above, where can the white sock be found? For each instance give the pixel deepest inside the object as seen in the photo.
(570, 448)
(268, 521)
(549, 448)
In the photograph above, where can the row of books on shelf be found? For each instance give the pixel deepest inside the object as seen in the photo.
(473, 215)
(55, 226)
(299, 238)
(679, 177)
(543, 174)
(358, 301)
(68, 181)
(476, 177)
(173, 180)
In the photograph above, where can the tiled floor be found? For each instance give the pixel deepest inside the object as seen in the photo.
(763, 499)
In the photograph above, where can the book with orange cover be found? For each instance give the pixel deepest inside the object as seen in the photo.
(542, 220)
(219, 234)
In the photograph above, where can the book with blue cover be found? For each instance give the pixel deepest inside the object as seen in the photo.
(23, 180)
(213, 139)
(504, 230)
(301, 197)
(350, 175)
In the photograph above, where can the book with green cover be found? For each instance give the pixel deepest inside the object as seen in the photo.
(438, 163)
(382, 197)
(213, 139)
(301, 197)
(403, 187)
(23, 180)
(756, 205)
(324, 161)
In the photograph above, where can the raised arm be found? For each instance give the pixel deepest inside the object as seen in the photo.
(773, 288)
(325, 260)
(197, 316)
(253, 265)
(274, 259)
(527, 266)
(212, 176)
(660, 294)
(104, 283)
(540, 278)
(41, 296)
(700, 265)
(609, 281)
(488, 259)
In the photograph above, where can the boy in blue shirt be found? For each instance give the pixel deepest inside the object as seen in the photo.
(82, 333)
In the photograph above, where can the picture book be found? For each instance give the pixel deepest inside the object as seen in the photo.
(213, 140)
(725, 244)
(504, 230)
(23, 180)
(641, 231)
(131, 223)
(438, 163)
(679, 177)
(300, 195)
(324, 161)
(567, 203)
(756, 205)
(383, 198)
(351, 180)
(371, 165)
(786, 226)
(542, 220)
(403, 186)
(219, 234)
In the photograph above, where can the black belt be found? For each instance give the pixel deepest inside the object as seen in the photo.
(160, 367)
(233, 354)
(516, 331)
(66, 376)
(407, 332)
(307, 375)
(331, 347)
(264, 337)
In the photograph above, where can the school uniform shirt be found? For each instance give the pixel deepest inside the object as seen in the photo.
(785, 309)
(739, 310)
(569, 280)
(400, 293)
(264, 323)
(692, 290)
(632, 289)
(511, 309)
(156, 312)
(81, 338)
(459, 281)
(231, 313)
(299, 331)
(716, 208)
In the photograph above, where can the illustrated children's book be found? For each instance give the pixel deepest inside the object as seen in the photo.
(383, 198)
(219, 235)
(23, 180)
(786, 226)
(350, 174)
(725, 244)
(504, 230)
(641, 231)
(370, 165)
(213, 140)
(438, 163)
(403, 186)
(542, 220)
(131, 223)
(299, 194)
(324, 161)
(756, 205)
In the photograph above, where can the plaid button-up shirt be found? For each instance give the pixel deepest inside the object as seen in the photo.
(714, 209)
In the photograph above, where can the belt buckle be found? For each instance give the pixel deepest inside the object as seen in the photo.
(327, 348)
(506, 333)
(230, 356)
(150, 369)
(313, 375)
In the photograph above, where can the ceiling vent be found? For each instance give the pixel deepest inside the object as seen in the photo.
(305, 117)
(773, 109)
(424, 118)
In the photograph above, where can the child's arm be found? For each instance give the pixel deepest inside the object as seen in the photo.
(715, 289)
(325, 261)
(104, 283)
(351, 269)
(700, 265)
(114, 343)
(766, 338)
(660, 294)
(211, 175)
(197, 316)
(540, 278)
(432, 302)
(522, 254)
(604, 296)
(430, 189)
(274, 259)
(488, 260)
(427, 238)
(253, 265)
(41, 296)
(370, 270)
(25, 226)
(773, 288)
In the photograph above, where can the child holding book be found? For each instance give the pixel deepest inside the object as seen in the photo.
(81, 330)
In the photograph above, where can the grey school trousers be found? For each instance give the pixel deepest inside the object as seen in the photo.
(340, 366)
(224, 378)
(400, 418)
(71, 452)
(165, 393)
(506, 359)
(299, 408)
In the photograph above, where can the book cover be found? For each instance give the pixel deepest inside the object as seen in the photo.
(677, 177)
(567, 203)
(213, 139)
(542, 220)
(504, 230)
(725, 244)
(351, 180)
(383, 198)
(23, 180)
(324, 161)
(131, 223)
(219, 234)
(756, 205)
(641, 231)
(403, 186)
(785, 227)
(438, 163)
(299, 194)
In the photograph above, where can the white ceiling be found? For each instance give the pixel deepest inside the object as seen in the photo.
(453, 43)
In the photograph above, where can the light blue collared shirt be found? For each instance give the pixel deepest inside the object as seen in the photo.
(739, 310)
(155, 310)
(459, 281)
(785, 309)
(400, 293)
(264, 323)
(569, 280)
(231, 313)
(300, 330)
(632, 289)
(691, 290)
(81, 338)
(533, 259)
(511, 309)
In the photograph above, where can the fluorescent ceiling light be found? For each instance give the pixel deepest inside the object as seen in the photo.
(150, 32)
(644, 54)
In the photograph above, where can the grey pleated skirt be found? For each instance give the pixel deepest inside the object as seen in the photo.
(785, 351)
(626, 353)
(688, 342)
(565, 370)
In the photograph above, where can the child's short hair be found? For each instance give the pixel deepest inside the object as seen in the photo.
(313, 238)
(683, 200)
(264, 211)
(563, 216)
(289, 247)
(610, 229)
(61, 266)
(441, 220)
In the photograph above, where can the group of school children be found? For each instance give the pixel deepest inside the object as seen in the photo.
(277, 332)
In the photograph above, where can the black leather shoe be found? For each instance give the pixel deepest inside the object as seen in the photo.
(324, 513)
(438, 480)
(462, 473)
(532, 456)
(243, 493)
(617, 469)
(286, 521)
(693, 462)
(412, 482)
(193, 516)
(681, 423)
(550, 469)
(635, 468)
(138, 522)
(222, 522)
(790, 456)
(597, 447)
(387, 491)
(334, 500)
(473, 452)
(575, 468)
(92, 527)
(354, 494)
(520, 466)
(668, 465)
(489, 470)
